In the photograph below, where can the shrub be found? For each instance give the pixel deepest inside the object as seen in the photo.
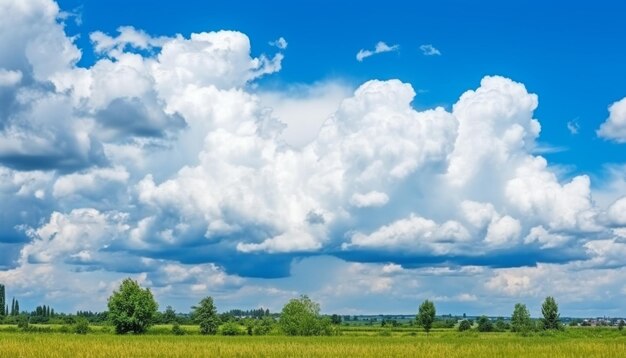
(231, 329)
(464, 325)
(485, 324)
(81, 327)
(177, 330)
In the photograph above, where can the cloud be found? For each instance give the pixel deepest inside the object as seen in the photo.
(281, 43)
(614, 128)
(429, 50)
(164, 161)
(573, 126)
(381, 47)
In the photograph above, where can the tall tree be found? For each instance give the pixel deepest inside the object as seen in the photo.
(17, 307)
(520, 320)
(132, 308)
(205, 314)
(550, 311)
(2, 300)
(13, 307)
(426, 315)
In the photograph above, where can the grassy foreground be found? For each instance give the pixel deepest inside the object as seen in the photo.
(440, 345)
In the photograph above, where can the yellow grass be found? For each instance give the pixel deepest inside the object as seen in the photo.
(442, 345)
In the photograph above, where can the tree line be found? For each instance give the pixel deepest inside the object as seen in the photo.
(133, 309)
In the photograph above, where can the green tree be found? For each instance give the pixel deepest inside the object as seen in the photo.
(426, 315)
(550, 311)
(2, 300)
(205, 314)
(132, 308)
(300, 317)
(335, 319)
(81, 326)
(620, 325)
(17, 307)
(169, 316)
(464, 325)
(484, 324)
(520, 320)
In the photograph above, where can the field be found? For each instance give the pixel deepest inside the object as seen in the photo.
(361, 343)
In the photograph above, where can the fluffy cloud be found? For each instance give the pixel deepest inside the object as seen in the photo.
(164, 144)
(381, 47)
(614, 128)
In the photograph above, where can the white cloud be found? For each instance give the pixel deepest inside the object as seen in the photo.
(281, 43)
(573, 126)
(617, 212)
(414, 234)
(430, 50)
(381, 47)
(503, 231)
(614, 128)
(370, 199)
(9, 78)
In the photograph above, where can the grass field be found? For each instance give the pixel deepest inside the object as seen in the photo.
(572, 343)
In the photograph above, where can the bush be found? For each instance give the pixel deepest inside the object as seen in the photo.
(82, 326)
(485, 324)
(231, 329)
(384, 333)
(177, 330)
(263, 326)
(464, 325)
(22, 323)
(300, 317)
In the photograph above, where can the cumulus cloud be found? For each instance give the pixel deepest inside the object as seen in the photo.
(614, 128)
(162, 145)
(381, 47)
(429, 50)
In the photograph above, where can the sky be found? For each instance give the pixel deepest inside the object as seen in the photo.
(471, 153)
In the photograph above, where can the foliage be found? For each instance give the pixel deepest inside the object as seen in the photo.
(23, 322)
(464, 325)
(300, 317)
(426, 315)
(132, 308)
(501, 326)
(484, 324)
(169, 316)
(81, 326)
(177, 330)
(620, 325)
(550, 311)
(263, 326)
(520, 319)
(205, 314)
(231, 329)
(335, 319)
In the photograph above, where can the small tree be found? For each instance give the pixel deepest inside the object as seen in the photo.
(520, 320)
(205, 314)
(484, 324)
(132, 308)
(169, 316)
(335, 319)
(464, 325)
(81, 326)
(426, 315)
(300, 317)
(550, 311)
(620, 325)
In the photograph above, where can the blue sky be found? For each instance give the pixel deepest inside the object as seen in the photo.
(371, 157)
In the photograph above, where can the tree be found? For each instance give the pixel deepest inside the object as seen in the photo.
(620, 325)
(520, 320)
(132, 308)
(300, 317)
(550, 311)
(205, 314)
(426, 315)
(464, 325)
(17, 307)
(484, 324)
(335, 319)
(169, 316)
(2, 300)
